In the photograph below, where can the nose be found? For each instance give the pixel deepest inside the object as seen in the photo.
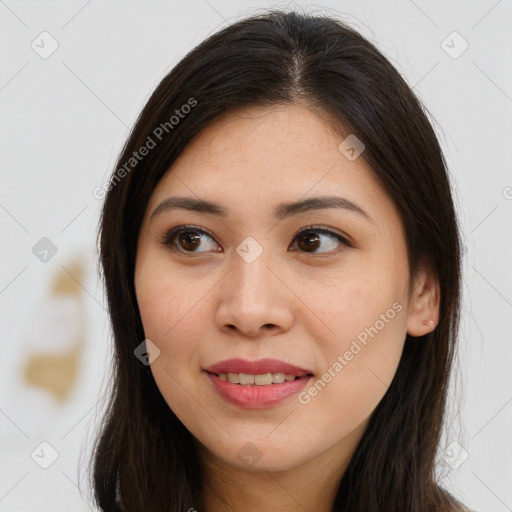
(254, 299)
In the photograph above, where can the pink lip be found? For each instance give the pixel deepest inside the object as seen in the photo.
(257, 397)
(254, 396)
(257, 367)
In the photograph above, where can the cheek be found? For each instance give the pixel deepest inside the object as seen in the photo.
(170, 317)
(361, 365)
(371, 336)
(167, 304)
(174, 306)
(366, 317)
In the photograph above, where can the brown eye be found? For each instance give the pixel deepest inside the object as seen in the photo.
(188, 239)
(311, 239)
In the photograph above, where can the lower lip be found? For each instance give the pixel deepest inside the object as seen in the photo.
(257, 397)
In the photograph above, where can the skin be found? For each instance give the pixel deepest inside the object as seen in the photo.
(304, 306)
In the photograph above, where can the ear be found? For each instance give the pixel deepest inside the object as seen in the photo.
(424, 304)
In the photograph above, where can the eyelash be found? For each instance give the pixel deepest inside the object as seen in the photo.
(169, 237)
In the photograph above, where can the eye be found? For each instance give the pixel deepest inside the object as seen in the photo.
(186, 239)
(309, 239)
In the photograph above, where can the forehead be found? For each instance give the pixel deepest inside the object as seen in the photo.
(263, 156)
(263, 138)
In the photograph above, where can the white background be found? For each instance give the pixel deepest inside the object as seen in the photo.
(63, 121)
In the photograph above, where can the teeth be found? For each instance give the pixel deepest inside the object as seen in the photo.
(263, 379)
(246, 380)
(234, 378)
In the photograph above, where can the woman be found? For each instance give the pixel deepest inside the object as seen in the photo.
(282, 263)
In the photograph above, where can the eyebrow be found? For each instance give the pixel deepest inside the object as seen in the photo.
(281, 212)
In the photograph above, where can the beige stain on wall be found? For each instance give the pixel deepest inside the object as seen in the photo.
(57, 373)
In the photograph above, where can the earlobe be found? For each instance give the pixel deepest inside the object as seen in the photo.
(424, 305)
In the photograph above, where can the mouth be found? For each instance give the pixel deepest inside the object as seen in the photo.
(262, 372)
(261, 379)
(259, 390)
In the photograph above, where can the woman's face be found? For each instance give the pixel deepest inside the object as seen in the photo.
(247, 285)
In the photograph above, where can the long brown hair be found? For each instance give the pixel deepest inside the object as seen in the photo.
(143, 453)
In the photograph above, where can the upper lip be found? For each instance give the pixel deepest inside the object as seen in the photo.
(257, 367)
